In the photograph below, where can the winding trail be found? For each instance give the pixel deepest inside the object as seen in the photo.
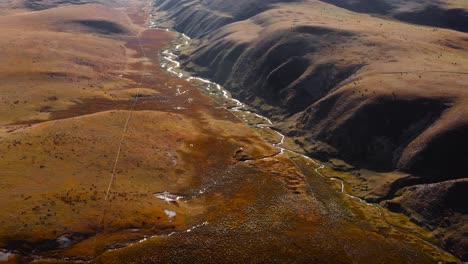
(120, 146)
(125, 127)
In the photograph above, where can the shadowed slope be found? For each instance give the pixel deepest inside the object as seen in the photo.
(379, 93)
(431, 13)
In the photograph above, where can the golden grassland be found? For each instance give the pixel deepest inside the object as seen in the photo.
(66, 97)
(65, 101)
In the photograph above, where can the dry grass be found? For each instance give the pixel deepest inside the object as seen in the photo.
(47, 65)
(60, 134)
(66, 98)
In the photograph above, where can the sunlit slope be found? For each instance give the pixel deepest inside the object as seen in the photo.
(53, 58)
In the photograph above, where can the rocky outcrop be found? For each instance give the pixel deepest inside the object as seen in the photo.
(440, 207)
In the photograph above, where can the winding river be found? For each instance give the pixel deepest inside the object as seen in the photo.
(169, 61)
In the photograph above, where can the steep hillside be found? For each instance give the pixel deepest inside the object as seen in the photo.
(382, 94)
(451, 14)
(198, 18)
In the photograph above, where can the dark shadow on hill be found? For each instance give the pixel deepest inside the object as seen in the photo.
(431, 15)
(101, 26)
(374, 136)
(445, 158)
(38, 5)
(363, 6)
(435, 16)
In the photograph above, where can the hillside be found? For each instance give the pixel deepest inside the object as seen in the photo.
(381, 86)
(108, 157)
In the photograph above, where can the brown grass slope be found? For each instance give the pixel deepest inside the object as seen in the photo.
(70, 75)
(382, 94)
(53, 58)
